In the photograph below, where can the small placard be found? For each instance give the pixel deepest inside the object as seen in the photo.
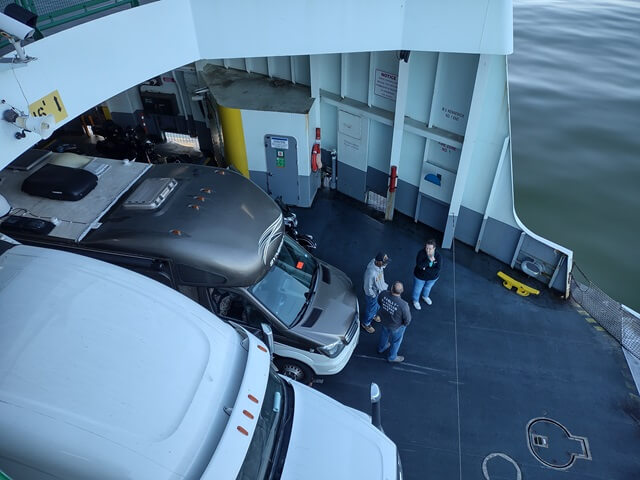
(386, 84)
(49, 105)
(280, 143)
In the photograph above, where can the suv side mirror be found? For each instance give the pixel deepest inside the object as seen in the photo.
(267, 335)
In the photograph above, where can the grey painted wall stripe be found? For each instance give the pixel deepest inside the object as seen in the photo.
(500, 240)
(468, 226)
(351, 181)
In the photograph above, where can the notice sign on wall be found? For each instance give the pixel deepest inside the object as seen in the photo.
(386, 84)
(279, 142)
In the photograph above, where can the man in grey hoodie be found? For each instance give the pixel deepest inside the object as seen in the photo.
(373, 284)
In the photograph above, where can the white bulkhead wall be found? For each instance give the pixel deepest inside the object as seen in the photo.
(257, 124)
(125, 102)
(488, 137)
(440, 89)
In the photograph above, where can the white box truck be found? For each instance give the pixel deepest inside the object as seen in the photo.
(107, 374)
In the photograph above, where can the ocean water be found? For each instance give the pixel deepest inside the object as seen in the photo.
(574, 81)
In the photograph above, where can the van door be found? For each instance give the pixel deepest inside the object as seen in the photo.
(230, 305)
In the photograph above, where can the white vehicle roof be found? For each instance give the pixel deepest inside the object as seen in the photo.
(356, 449)
(104, 370)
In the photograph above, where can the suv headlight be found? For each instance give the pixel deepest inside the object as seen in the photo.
(333, 349)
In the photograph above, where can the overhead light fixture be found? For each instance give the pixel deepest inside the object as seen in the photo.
(43, 126)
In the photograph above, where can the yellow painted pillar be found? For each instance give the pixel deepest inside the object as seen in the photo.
(106, 112)
(235, 151)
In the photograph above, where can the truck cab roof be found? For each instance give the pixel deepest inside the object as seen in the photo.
(106, 367)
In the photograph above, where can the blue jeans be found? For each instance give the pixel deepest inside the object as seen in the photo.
(371, 309)
(395, 340)
(424, 285)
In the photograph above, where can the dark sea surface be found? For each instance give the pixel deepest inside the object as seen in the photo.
(574, 81)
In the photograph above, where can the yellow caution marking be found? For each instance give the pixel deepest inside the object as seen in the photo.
(590, 320)
(49, 105)
(106, 112)
(582, 312)
(599, 328)
(522, 289)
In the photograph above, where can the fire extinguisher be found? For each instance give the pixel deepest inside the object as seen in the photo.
(316, 161)
(393, 179)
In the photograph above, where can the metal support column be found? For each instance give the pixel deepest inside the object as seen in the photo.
(466, 156)
(492, 194)
(398, 129)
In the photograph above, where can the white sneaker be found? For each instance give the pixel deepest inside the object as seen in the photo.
(417, 306)
(427, 300)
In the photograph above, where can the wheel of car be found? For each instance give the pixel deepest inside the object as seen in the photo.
(295, 370)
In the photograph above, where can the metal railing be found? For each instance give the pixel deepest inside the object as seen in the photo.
(621, 323)
(55, 13)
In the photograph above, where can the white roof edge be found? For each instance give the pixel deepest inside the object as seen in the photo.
(233, 441)
(464, 26)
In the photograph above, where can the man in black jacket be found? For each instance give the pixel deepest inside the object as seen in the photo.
(395, 316)
(426, 273)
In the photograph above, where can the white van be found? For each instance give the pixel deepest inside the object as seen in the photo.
(210, 233)
(109, 374)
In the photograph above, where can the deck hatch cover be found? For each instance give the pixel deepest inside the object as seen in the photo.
(313, 318)
(151, 193)
(553, 445)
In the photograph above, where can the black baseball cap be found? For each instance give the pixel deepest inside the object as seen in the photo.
(380, 257)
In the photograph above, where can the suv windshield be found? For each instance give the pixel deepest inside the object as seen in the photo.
(285, 289)
(269, 440)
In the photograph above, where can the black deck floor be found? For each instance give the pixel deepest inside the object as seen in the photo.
(481, 363)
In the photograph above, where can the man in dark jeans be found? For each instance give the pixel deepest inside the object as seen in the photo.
(395, 316)
(426, 273)
(373, 284)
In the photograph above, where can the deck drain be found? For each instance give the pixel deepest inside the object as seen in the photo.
(554, 446)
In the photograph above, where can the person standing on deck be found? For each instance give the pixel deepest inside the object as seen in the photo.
(373, 284)
(395, 317)
(426, 273)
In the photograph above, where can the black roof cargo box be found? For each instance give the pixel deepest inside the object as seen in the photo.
(60, 183)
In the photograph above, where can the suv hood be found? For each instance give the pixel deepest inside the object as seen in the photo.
(333, 307)
(329, 440)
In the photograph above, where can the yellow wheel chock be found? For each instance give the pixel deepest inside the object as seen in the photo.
(522, 289)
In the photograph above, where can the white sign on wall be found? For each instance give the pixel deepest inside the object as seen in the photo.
(352, 140)
(386, 84)
(279, 142)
